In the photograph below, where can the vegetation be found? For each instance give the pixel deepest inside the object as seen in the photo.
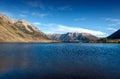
(21, 35)
(105, 40)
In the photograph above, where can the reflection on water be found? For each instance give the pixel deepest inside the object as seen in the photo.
(13, 56)
(59, 61)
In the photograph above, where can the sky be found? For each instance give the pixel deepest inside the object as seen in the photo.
(98, 17)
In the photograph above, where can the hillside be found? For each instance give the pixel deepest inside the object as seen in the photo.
(12, 30)
(115, 35)
(83, 37)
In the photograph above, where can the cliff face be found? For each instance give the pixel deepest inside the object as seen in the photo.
(12, 30)
(115, 35)
(73, 37)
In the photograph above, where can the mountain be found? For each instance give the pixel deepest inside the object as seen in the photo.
(12, 30)
(115, 35)
(83, 37)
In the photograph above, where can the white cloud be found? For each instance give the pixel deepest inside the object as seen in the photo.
(36, 4)
(7, 13)
(112, 29)
(115, 22)
(63, 8)
(25, 12)
(36, 23)
(79, 19)
(39, 14)
(58, 28)
(22, 15)
(112, 19)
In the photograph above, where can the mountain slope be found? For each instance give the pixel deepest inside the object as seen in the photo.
(115, 35)
(12, 30)
(73, 37)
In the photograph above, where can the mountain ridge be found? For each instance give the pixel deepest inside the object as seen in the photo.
(12, 30)
(73, 36)
(115, 35)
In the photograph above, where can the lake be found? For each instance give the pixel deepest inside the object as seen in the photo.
(59, 61)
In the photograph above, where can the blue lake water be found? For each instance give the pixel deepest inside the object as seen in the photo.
(59, 61)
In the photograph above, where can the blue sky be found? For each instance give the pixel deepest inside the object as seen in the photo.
(98, 17)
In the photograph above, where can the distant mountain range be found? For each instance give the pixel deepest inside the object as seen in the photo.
(115, 35)
(83, 37)
(12, 30)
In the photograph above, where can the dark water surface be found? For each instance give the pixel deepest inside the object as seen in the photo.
(59, 61)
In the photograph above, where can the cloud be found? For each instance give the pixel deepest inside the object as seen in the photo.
(7, 13)
(58, 28)
(38, 4)
(25, 12)
(112, 29)
(115, 22)
(39, 14)
(63, 8)
(36, 23)
(79, 19)
(22, 15)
